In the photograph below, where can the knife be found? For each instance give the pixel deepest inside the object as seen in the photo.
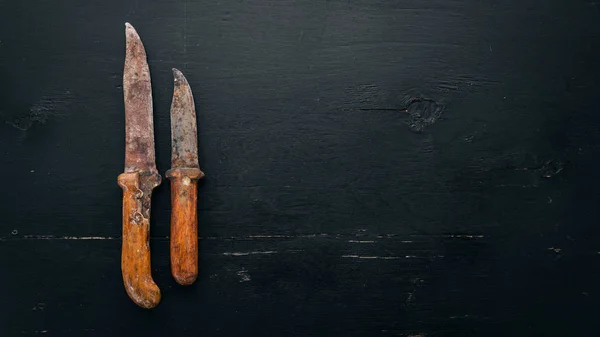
(184, 175)
(140, 176)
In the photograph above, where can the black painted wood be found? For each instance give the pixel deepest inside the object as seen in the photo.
(328, 209)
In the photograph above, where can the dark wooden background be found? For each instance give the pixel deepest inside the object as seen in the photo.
(327, 210)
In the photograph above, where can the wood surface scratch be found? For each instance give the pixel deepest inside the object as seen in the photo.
(249, 253)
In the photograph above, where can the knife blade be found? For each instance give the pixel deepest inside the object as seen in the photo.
(184, 175)
(140, 176)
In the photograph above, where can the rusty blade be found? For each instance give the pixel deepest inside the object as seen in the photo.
(184, 138)
(139, 126)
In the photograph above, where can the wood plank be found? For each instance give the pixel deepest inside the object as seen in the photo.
(305, 285)
(400, 168)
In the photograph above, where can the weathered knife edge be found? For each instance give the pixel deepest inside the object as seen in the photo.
(184, 175)
(140, 176)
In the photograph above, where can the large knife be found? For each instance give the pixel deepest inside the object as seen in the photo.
(140, 176)
(184, 175)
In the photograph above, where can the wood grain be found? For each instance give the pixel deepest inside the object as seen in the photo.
(135, 253)
(319, 186)
(184, 224)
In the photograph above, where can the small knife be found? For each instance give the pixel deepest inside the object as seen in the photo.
(140, 176)
(184, 175)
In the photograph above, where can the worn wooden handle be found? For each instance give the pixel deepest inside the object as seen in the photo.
(135, 255)
(184, 223)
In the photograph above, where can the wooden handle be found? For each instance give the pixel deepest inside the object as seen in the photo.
(184, 223)
(135, 255)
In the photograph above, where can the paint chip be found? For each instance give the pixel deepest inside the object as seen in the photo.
(244, 276)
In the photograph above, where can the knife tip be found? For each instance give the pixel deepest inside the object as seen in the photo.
(178, 75)
(129, 30)
(131, 34)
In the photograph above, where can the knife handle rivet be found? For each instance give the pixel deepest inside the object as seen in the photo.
(137, 218)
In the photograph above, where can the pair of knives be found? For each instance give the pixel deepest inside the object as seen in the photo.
(141, 177)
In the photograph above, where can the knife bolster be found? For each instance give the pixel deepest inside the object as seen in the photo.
(181, 172)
